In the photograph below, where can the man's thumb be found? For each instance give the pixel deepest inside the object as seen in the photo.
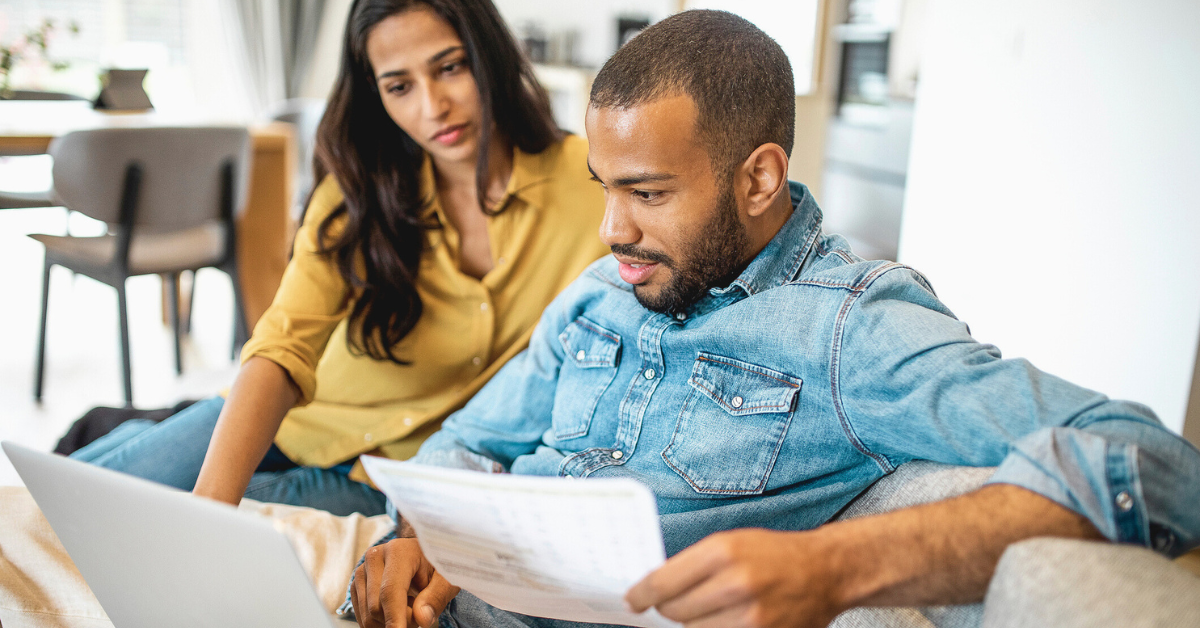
(432, 600)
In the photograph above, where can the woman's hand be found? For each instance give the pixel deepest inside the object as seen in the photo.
(261, 395)
(396, 587)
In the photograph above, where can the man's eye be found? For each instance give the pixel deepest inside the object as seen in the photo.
(646, 195)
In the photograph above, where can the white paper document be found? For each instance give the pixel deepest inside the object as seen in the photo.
(546, 547)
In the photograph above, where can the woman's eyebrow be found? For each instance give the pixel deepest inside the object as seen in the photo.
(443, 54)
(391, 73)
(432, 60)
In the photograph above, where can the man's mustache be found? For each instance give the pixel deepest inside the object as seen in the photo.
(647, 255)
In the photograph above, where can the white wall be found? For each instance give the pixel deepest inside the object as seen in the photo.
(1054, 187)
(595, 20)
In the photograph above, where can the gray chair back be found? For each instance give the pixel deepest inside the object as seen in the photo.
(181, 179)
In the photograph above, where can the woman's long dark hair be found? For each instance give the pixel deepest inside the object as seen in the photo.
(378, 248)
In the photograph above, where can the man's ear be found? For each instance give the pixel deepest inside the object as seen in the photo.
(763, 177)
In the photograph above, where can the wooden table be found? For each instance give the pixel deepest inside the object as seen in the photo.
(264, 228)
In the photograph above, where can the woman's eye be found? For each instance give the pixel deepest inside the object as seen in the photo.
(398, 89)
(453, 67)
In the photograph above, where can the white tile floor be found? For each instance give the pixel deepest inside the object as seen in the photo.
(83, 355)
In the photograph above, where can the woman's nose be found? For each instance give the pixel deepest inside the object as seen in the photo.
(435, 103)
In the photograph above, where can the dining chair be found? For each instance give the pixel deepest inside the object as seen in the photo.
(10, 199)
(20, 164)
(170, 197)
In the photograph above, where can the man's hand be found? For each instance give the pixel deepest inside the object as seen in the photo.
(939, 553)
(744, 578)
(396, 587)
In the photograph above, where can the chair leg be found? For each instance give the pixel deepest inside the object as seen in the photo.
(241, 332)
(172, 283)
(191, 303)
(123, 312)
(40, 368)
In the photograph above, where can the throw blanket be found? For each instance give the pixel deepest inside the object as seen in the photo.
(41, 588)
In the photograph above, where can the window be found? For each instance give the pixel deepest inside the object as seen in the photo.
(112, 33)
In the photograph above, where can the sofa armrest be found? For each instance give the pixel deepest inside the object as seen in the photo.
(1070, 583)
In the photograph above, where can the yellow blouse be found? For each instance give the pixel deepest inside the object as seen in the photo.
(352, 404)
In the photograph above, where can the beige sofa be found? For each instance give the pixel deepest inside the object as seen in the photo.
(1039, 582)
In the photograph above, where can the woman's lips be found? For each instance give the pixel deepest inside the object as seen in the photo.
(450, 135)
(636, 273)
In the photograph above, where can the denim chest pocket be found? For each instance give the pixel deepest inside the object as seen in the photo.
(590, 364)
(732, 425)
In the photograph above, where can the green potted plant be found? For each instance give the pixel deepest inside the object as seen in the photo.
(34, 43)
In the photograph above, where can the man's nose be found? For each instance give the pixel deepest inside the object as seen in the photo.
(618, 226)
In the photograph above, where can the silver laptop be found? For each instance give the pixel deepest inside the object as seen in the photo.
(156, 556)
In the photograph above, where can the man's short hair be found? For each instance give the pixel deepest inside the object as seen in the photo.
(739, 78)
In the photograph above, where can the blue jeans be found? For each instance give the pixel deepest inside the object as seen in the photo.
(171, 453)
(468, 611)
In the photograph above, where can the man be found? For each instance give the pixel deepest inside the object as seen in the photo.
(758, 376)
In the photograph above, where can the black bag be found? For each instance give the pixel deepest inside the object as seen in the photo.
(99, 421)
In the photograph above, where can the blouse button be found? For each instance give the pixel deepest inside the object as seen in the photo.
(476, 361)
(408, 420)
(368, 437)
(736, 402)
(483, 307)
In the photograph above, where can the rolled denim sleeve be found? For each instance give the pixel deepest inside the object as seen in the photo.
(911, 383)
(1130, 479)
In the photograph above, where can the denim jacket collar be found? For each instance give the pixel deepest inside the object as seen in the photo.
(779, 262)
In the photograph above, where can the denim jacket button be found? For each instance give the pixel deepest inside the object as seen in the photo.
(581, 355)
(617, 454)
(649, 373)
(736, 402)
(680, 316)
(1124, 501)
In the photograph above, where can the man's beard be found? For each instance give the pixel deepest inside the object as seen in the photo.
(714, 257)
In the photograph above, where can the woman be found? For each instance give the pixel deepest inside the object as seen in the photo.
(451, 211)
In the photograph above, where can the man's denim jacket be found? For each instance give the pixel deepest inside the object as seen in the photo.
(776, 400)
